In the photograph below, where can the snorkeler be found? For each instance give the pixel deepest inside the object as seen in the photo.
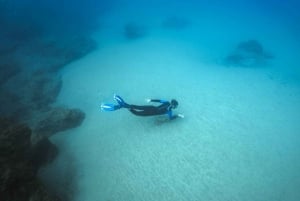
(165, 107)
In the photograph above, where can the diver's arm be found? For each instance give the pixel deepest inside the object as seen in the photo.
(171, 116)
(180, 115)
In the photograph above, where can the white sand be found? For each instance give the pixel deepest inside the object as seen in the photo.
(239, 140)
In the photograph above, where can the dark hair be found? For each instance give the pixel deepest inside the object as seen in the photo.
(174, 103)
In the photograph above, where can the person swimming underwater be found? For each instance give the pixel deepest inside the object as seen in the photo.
(165, 107)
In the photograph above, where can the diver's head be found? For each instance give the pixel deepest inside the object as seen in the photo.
(174, 103)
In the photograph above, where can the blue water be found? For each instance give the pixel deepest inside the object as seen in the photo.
(239, 139)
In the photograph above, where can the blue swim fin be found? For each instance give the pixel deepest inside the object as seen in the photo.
(108, 107)
(120, 101)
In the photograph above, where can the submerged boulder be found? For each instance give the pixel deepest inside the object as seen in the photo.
(248, 54)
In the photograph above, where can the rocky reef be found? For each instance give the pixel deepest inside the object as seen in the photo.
(37, 42)
(28, 88)
(27, 97)
(29, 75)
(19, 163)
(248, 54)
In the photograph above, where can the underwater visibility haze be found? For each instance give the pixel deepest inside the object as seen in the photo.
(233, 66)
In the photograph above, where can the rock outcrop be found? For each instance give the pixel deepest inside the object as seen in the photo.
(57, 120)
(248, 54)
(31, 55)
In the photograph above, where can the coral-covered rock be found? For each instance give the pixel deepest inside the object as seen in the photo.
(18, 180)
(57, 120)
(248, 54)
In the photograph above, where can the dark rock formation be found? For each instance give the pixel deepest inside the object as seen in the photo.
(41, 193)
(30, 60)
(43, 152)
(175, 23)
(134, 31)
(31, 54)
(248, 54)
(27, 93)
(42, 90)
(10, 104)
(18, 180)
(28, 77)
(57, 120)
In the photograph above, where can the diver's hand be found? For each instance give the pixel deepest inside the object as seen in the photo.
(148, 100)
(180, 115)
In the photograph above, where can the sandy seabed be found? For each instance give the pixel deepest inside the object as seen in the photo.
(238, 141)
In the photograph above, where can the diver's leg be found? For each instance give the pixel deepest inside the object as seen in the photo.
(138, 112)
(142, 107)
(143, 110)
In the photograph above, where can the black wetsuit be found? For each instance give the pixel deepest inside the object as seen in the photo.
(150, 110)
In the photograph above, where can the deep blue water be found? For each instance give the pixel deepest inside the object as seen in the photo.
(24, 20)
